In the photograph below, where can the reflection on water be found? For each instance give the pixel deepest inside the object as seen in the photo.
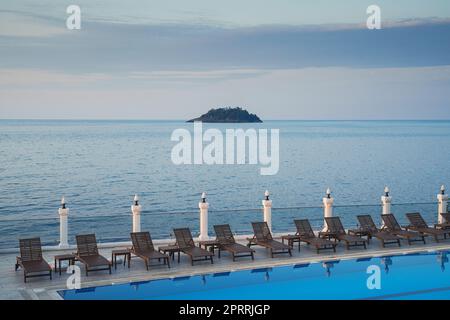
(442, 259)
(265, 271)
(386, 262)
(328, 265)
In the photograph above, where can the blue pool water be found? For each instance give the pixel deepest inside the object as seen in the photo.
(417, 276)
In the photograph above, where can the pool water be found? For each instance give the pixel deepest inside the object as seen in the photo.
(416, 276)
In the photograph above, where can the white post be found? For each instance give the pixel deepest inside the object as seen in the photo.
(386, 201)
(136, 211)
(385, 204)
(267, 208)
(327, 208)
(442, 204)
(63, 224)
(203, 206)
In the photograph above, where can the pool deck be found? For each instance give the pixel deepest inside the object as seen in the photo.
(13, 287)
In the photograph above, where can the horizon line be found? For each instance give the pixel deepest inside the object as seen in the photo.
(183, 120)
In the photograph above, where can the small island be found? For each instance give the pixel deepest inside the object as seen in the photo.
(227, 115)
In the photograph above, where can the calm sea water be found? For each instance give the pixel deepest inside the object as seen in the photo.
(99, 165)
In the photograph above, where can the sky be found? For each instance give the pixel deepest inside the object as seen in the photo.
(176, 59)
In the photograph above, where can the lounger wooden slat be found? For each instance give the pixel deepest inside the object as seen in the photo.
(263, 237)
(417, 223)
(391, 224)
(228, 243)
(31, 260)
(186, 244)
(87, 253)
(385, 237)
(144, 249)
(306, 234)
(337, 231)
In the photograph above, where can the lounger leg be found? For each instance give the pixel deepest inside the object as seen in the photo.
(253, 256)
(271, 253)
(168, 262)
(24, 277)
(233, 257)
(146, 264)
(109, 269)
(192, 261)
(219, 253)
(399, 244)
(87, 271)
(50, 274)
(212, 262)
(290, 253)
(423, 239)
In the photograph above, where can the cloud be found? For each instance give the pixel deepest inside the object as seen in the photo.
(115, 48)
(13, 78)
(21, 25)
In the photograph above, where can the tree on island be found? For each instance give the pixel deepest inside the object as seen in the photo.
(227, 115)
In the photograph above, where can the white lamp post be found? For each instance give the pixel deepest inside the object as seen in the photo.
(267, 209)
(136, 213)
(203, 205)
(386, 201)
(327, 208)
(442, 204)
(63, 224)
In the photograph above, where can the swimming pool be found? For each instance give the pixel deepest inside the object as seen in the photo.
(413, 276)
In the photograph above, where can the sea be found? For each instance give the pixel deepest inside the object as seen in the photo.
(99, 165)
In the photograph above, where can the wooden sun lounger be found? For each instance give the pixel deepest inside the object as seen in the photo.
(31, 260)
(87, 253)
(385, 237)
(228, 243)
(391, 224)
(417, 223)
(144, 249)
(446, 224)
(263, 237)
(187, 246)
(336, 230)
(306, 234)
